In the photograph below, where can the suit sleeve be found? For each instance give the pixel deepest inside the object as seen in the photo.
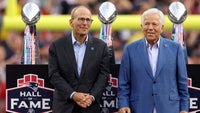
(123, 92)
(102, 78)
(182, 81)
(55, 75)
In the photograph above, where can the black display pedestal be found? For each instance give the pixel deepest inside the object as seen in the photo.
(28, 89)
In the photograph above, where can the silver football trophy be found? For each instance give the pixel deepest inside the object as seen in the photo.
(30, 15)
(177, 14)
(107, 14)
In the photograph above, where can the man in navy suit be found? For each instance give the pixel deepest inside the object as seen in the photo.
(78, 67)
(153, 76)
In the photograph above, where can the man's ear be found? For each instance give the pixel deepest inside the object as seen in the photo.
(162, 27)
(141, 27)
(70, 22)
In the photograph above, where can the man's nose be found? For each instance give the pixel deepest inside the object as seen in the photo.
(150, 26)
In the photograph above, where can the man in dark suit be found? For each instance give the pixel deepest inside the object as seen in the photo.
(153, 76)
(78, 67)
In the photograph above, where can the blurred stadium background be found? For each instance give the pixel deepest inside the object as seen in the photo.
(54, 19)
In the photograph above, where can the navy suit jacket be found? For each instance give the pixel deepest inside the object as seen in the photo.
(64, 76)
(167, 91)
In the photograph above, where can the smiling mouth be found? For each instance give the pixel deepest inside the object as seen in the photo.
(150, 32)
(84, 28)
(150, 35)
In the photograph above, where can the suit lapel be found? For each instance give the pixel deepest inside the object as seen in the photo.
(162, 54)
(90, 48)
(70, 52)
(144, 56)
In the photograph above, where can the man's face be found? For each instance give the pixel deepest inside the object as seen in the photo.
(152, 27)
(81, 21)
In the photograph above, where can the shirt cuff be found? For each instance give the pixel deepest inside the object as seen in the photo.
(72, 94)
(93, 98)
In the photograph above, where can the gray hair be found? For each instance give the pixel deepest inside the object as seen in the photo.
(75, 8)
(153, 11)
(73, 11)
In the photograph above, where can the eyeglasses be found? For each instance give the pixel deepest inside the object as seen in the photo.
(82, 20)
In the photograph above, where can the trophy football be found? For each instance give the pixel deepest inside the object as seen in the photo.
(107, 14)
(30, 15)
(177, 14)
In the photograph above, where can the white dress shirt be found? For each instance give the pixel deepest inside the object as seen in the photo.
(153, 57)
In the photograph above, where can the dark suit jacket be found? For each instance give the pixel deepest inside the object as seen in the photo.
(64, 76)
(138, 89)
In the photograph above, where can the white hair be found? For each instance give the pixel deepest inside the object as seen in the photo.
(153, 11)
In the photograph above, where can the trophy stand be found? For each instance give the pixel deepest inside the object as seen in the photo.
(177, 14)
(107, 14)
(30, 15)
(28, 89)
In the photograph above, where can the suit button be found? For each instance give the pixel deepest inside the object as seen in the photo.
(153, 94)
(154, 82)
